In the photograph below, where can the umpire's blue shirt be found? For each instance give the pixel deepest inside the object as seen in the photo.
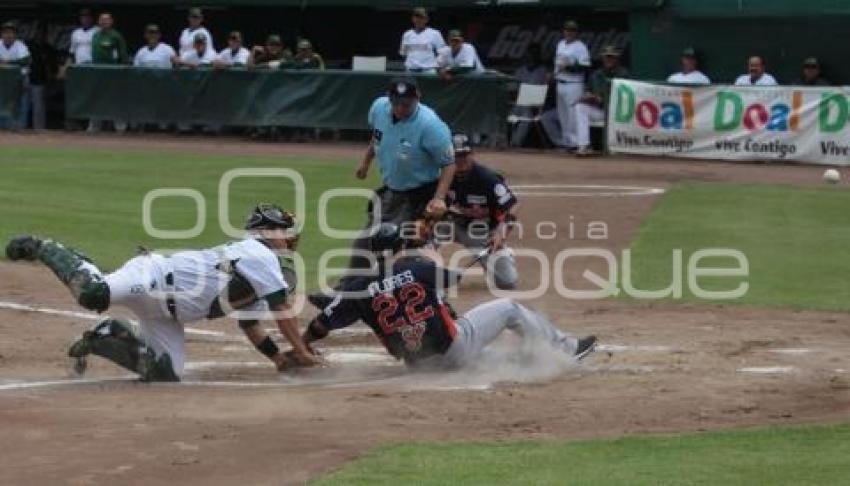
(410, 152)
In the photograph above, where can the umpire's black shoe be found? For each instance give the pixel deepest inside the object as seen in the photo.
(320, 300)
(585, 346)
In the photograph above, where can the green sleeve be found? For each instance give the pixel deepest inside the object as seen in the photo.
(123, 58)
(278, 298)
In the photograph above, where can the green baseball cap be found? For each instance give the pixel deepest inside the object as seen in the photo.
(199, 38)
(689, 52)
(152, 28)
(570, 25)
(274, 39)
(195, 12)
(9, 26)
(304, 44)
(455, 34)
(811, 62)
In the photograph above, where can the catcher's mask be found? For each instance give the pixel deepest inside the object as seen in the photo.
(271, 216)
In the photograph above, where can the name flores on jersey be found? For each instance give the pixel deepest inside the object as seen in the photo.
(391, 283)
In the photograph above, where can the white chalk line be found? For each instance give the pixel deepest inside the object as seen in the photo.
(768, 370)
(584, 190)
(94, 317)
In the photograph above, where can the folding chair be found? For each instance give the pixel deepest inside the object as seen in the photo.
(533, 97)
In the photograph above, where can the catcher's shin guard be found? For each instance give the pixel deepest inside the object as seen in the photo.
(78, 273)
(115, 340)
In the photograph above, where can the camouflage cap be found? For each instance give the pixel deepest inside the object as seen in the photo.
(609, 51)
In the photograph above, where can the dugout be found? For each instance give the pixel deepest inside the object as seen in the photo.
(726, 32)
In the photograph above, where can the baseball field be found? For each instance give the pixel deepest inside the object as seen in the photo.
(686, 387)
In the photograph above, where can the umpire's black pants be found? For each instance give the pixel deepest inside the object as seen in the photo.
(396, 207)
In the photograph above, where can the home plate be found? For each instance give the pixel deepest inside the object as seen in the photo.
(767, 370)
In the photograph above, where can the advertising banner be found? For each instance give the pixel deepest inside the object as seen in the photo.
(792, 123)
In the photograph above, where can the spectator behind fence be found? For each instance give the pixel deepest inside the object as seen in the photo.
(43, 69)
(201, 55)
(81, 39)
(689, 73)
(187, 37)
(306, 58)
(108, 47)
(419, 45)
(594, 101)
(459, 57)
(811, 75)
(532, 71)
(757, 76)
(15, 53)
(572, 60)
(234, 55)
(271, 56)
(155, 54)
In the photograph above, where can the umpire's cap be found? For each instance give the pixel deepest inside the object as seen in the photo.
(269, 216)
(461, 143)
(403, 88)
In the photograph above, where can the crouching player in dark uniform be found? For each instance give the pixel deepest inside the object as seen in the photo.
(482, 210)
(401, 303)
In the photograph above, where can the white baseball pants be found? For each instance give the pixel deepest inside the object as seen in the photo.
(484, 323)
(568, 96)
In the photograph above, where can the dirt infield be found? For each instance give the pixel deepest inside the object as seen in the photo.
(663, 367)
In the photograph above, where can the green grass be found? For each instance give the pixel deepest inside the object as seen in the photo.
(776, 456)
(92, 199)
(796, 241)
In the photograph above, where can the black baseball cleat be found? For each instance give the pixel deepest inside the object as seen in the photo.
(23, 248)
(585, 346)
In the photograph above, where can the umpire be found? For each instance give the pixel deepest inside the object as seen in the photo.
(415, 156)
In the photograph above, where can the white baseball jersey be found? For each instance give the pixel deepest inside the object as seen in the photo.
(187, 39)
(693, 77)
(574, 53)
(192, 57)
(420, 48)
(466, 57)
(157, 57)
(764, 80)
(230, 58)
(198, 282)
(81, 44)
(15, 52)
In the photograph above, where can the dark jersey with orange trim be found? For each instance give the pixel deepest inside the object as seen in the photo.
(403, 307)
(481, 195)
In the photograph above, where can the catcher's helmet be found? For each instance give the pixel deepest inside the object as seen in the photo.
(269, 216)
(387, 238)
